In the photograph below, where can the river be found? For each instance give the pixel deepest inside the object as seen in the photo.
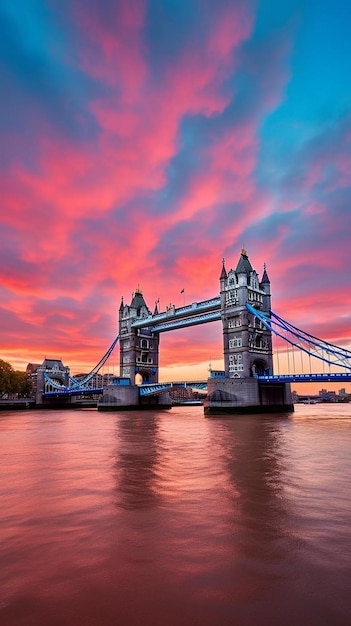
(170, 518)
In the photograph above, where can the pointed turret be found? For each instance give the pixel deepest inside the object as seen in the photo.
(265, 278)
(265, 285)
(138, 299)
(224, 274)
(156, 307)
(121, 309)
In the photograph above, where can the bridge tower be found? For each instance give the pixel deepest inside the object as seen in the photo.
(247, 348)
(138, 347)
(247, 343)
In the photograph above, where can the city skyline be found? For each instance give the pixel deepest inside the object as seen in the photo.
(143, 142)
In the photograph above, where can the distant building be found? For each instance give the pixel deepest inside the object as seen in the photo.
(327, 396)
(31, 371)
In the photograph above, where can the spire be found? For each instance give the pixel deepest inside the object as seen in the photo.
(244, 265)
(121, 305)
(138, 298)
(265, 278)
(224, 275)
(156, 306)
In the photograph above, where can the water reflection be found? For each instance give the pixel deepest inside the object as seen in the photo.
(254, 455)
(136, 460)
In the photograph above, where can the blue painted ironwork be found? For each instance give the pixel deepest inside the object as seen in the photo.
(148, 390)
(307, 378)
(190, 315)
(318, 348)
(65, 392)
(84, 381)
(152, 390)
(81, 385)
(201, 318)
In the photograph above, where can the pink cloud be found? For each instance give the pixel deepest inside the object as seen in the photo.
(115, 54)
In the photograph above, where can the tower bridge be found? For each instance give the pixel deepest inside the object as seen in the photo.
(246, 385)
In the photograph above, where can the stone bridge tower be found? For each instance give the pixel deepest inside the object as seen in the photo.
(247, 342)
(138, 347)
(247, 348)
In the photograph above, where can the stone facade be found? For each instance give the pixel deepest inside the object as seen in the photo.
(138, 347)
(58, 372)
(247, 343)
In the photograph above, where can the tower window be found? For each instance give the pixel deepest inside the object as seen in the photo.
(236, 342)
(234, 322)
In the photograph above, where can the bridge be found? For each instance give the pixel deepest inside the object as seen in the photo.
(249, 326)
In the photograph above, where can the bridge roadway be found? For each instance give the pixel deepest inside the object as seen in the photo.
(156, 388)
(307, 378)
(190, 315)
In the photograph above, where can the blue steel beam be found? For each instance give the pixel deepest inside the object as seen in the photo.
(97, 367)
(72, 392)
(190, 315)
(306, 378)
(317, 348)
(193, 384)
(152, 390)
(173, 324)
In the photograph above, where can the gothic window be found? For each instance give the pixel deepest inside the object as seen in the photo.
(235, 342)
(231, 297)
(236, 367)
(235, 358)
(234, 322)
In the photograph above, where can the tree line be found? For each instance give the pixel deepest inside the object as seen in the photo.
(13, 382)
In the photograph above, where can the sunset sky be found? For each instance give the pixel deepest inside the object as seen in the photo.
(143, 141)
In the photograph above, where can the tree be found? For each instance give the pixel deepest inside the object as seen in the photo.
(21, 384)
(6, 372)
(13, 382)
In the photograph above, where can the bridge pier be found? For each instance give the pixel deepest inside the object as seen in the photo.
(126, 397)
(233, 396)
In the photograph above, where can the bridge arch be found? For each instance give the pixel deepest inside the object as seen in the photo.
(143, 376)
(259, 367)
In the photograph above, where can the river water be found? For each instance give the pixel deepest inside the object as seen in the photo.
(171, 518)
